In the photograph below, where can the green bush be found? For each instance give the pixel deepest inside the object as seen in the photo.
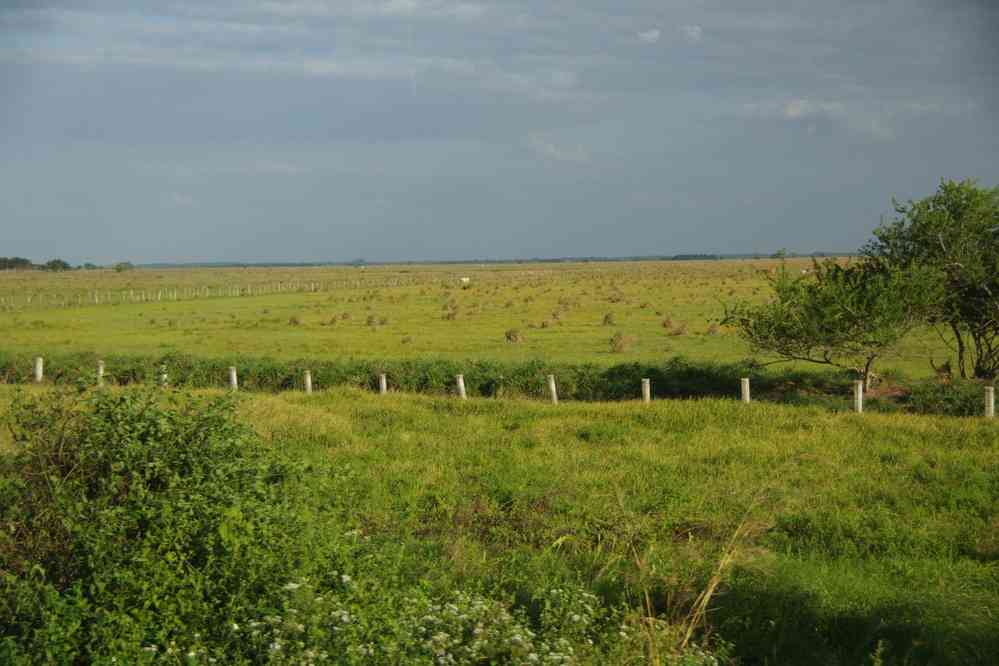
(958, 398)
(133, 521)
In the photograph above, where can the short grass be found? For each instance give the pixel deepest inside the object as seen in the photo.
(856, 533)
(566, 313)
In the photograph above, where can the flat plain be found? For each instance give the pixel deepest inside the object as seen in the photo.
(562, 312)
(697, 531)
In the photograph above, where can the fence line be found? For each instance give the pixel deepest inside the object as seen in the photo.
(38, 375)
(94, 297)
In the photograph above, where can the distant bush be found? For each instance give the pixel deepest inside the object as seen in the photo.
(958, 398)
(512, 335)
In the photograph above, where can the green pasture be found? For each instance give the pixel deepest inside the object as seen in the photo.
(564, 313)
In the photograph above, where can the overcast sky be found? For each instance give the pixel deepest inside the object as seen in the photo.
(311, 130)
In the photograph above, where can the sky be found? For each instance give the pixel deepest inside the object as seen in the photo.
(392, 130)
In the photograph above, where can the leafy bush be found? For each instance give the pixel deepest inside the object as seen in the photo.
(130, 521)
(959, 398)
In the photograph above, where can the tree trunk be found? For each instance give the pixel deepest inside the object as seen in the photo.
(960, 350)
(867, 373)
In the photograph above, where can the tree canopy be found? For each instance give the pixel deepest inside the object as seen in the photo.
(843, 316)
(955, 234)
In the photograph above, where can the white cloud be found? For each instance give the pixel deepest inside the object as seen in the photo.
(180, 200)
(875, 121)
(650, 36)
(692, 33)
(545, 148)
(797, 109)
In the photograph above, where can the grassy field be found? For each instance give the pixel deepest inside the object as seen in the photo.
(562, 312)
(520, 532)
(835, 538)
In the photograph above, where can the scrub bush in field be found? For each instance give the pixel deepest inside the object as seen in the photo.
(960, 398)
(133, 521)
(620, 342)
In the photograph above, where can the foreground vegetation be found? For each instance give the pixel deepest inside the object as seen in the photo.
(386, 529)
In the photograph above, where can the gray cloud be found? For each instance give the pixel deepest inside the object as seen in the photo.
(447, 128)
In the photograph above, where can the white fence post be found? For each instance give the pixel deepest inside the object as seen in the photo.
(646, 390)
(858, 396)
(233, 379)
(990, 402)
(461, 387)
(552, 389)
(39, 369)
(163, 375)
(100, 373)
(744, 386)
(382, 384)
(308, 382)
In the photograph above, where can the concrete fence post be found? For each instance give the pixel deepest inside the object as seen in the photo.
(163, 375)
(100, 373)
(233, 379)
(460, 380)
(39, 369)
(646, 390)
(990, 402)
(744, 386)
(858, 396)
(308, 382)
(382, 384)
(552, 389)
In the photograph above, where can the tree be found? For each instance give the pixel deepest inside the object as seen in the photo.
(56, 265)
(842, 316)
(15, 263)
(955, 234)
(123, 266)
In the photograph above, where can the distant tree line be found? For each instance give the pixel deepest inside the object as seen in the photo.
(55, 265)
(15, 263)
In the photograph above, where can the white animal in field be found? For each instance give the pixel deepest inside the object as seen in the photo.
(466, 280)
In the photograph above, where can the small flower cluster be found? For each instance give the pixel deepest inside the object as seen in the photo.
(570, 613)
(470, 629)
(299, 632)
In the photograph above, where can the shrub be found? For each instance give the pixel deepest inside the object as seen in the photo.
(513, 335)
(131, 519)
(957, 398)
